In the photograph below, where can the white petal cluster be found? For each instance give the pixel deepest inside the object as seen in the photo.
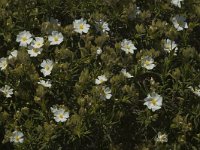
(99, 51)
(47, 66)
(34, 52)
(126, 74)
(100, 79)
(170, 46)
(161, 138)
(106, 93)
(60, 114)
(17, 137)
(195, 90)
(38, 42)
(128, 46)
(81, 26)
(46, 83)
(3, 63)
(13, 54)
(177, 3)
(102, 26)
(153, 101)
(147, 62)
(179, 22)
(24, 38)
(7, 91)
(55, 38)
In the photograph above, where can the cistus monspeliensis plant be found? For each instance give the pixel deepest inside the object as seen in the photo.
(99, 74)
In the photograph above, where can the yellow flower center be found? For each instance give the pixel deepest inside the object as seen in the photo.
(168, 46)
(24, 39)
(153, 101)
(61, 116)
(47, 67)
(147, 62)
(56, 39)
(17, 138)
(35, 50)
(127, 47)
(38, 44)
(81, 26)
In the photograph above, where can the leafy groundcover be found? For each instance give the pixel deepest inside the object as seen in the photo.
(99, 74)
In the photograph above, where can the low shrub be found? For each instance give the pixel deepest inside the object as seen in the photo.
(99, 74)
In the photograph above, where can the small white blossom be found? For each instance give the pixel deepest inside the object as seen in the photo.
(170, 45)
(13, 54)
(45, 83)
(100, 79)
(106, 93)
(54, 109)
(47, 66)
(60, 115)
(7, 91)
(3, 63)
(99, 51)
(24, 38)
(177, 3)
(161, 138)
(33, 52)
(102, 26)
(138, 11)
(179, 22)
(147, 62)
(105, 27)
(17, 137)
(55, 38)
(126, 74)
(38, 42)
(81, 26)
(153, 101)
(128, 46)
(195, 90)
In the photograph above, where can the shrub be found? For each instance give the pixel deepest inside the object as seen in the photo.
(105, 74)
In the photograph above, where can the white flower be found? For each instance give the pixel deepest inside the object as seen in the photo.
(102, 26)
(99, 51)
(33, 52)
(128, 46)
(24, 38)
(7, 91)
(100, 79)
(179, 22)
(45, 83)
(38, 42)
(126, 74)
(170, 45)
(17, 137)
(47, 66)
(13, 54)
(54, 109)
(56, 38)
(3, 63)
(147, 62)
(161, 138)
(195, 90)
(138, 11)
(177, 3)
(106, 93)
(105, 27)
(60, 115)
(81, 26)
(153, 101)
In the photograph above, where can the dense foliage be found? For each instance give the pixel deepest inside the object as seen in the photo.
(126, 76)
